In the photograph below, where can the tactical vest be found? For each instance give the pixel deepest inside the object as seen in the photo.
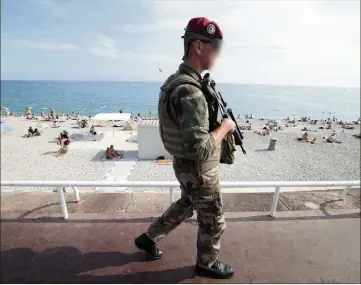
(168, 123)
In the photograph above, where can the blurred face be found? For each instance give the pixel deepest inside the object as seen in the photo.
(208, 53)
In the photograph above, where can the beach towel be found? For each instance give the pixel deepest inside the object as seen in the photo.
(86, 137)
(164, 161)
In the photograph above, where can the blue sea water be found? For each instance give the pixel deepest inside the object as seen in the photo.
(90, 98)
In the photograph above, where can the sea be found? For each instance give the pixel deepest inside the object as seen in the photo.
(90, 97)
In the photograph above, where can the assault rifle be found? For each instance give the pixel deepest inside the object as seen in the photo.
(209, 86)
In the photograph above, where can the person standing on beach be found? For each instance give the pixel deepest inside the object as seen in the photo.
(184, 128)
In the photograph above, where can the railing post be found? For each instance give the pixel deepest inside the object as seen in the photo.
(344, 192)
(171, 195)
(76, 192)
(276, 196)
(64, 209)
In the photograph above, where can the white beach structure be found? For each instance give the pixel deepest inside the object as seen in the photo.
(112, 117)
(123, 117)
(150, 145)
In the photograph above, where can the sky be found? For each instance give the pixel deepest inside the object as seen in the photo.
(265, 42)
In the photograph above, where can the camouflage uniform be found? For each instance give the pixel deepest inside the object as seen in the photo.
(184, 129)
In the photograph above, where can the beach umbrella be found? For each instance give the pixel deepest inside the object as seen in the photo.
(5, 128)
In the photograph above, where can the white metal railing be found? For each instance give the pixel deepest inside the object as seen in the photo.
(172, 185)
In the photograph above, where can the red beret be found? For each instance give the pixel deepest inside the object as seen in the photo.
(204, 27)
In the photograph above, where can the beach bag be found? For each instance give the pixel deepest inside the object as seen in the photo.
(227, 151)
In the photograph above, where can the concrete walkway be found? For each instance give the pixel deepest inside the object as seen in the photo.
(298, 247)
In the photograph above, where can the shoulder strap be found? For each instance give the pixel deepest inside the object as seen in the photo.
(177, 80)
(183, 79)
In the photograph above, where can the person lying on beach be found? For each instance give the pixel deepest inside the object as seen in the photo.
(332, 139)
(262, 133)
(246, 128)
(348, 127)
(306, 138)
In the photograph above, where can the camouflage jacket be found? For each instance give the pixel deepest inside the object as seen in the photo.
(184, 121)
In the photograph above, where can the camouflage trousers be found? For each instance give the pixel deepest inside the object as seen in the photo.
(200, 193)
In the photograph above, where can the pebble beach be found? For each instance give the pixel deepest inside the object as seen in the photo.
(34, 158)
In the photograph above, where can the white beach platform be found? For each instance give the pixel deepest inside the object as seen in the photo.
(150, 145)
(111, 117)
(122, 117)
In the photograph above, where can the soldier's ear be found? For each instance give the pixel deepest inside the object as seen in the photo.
(198, 46)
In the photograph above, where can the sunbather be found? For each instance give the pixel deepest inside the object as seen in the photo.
(92, 130)
(36, 132)
(32, 132)
(306, 138)
(64, 140)
(28, 113)
(332, 139)
(116, 153)
(109, 154)
(52, 114)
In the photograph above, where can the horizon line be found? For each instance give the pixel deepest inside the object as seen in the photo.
(150, 81)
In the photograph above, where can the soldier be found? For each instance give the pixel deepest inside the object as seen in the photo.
(184, 117)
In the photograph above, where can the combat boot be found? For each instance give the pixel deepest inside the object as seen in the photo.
(143, 242)
(219, 270)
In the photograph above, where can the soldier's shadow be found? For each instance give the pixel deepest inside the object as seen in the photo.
(69, 265)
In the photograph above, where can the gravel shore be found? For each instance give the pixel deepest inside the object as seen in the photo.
(291, 161)
(34, 158)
